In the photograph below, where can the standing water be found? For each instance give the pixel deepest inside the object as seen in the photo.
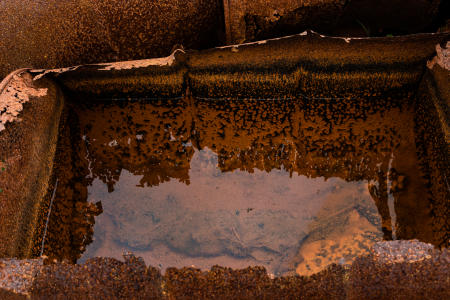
(292, 185)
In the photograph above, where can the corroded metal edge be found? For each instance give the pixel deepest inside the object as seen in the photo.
(27, 147)
(8, 78)
(406, 261)
(439, 69)
(15, 91)
(3, 84)
(433, 131)
(16, 276)
(308, 64)
(423, 257)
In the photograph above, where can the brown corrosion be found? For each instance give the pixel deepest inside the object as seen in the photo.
(307, 64)
(432, 127)
(132, 279)
(346, 139)
(53, 34)
(27, 148)
(250, 20)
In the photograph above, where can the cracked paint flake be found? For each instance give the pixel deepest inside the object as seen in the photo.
(121, 65)
(262, 42)
(16, 92)
(126, 65)
(58, 71)
(442, 57)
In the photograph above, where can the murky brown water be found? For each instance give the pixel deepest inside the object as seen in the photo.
(286, 184)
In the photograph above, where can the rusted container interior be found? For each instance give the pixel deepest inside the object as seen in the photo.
(315, 79)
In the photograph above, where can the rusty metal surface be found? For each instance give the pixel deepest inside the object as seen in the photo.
(103, 278)
(55, 34)
(306, 63)
(27, 147)
(249, 20)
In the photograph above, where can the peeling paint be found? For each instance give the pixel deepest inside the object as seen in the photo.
(442, 57)
(122, 65)
(244, 44)
(16, 92)
(263, 41)
(349, 39)
(58, 71)
(127, 65)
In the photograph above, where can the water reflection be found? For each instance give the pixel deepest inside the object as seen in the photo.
(289, 185)
(259, 219)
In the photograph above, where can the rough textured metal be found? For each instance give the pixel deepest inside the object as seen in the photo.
(433, 129)
(13, 96)
(249, 20)
(309, 64)
(27, 147)
(103, 278)
(401, 251)
(17, 275)
(54, 33)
